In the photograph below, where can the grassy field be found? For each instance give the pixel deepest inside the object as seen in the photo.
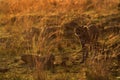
(39, 28)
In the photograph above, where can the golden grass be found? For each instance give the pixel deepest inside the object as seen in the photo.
(24, 10)
(30, 6)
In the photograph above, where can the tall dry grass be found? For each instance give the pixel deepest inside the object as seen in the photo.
(23, 6)
(23, 11)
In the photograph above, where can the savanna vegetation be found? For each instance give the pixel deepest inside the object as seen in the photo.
(59, 39)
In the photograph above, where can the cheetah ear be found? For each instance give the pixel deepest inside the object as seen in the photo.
(85, 26)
